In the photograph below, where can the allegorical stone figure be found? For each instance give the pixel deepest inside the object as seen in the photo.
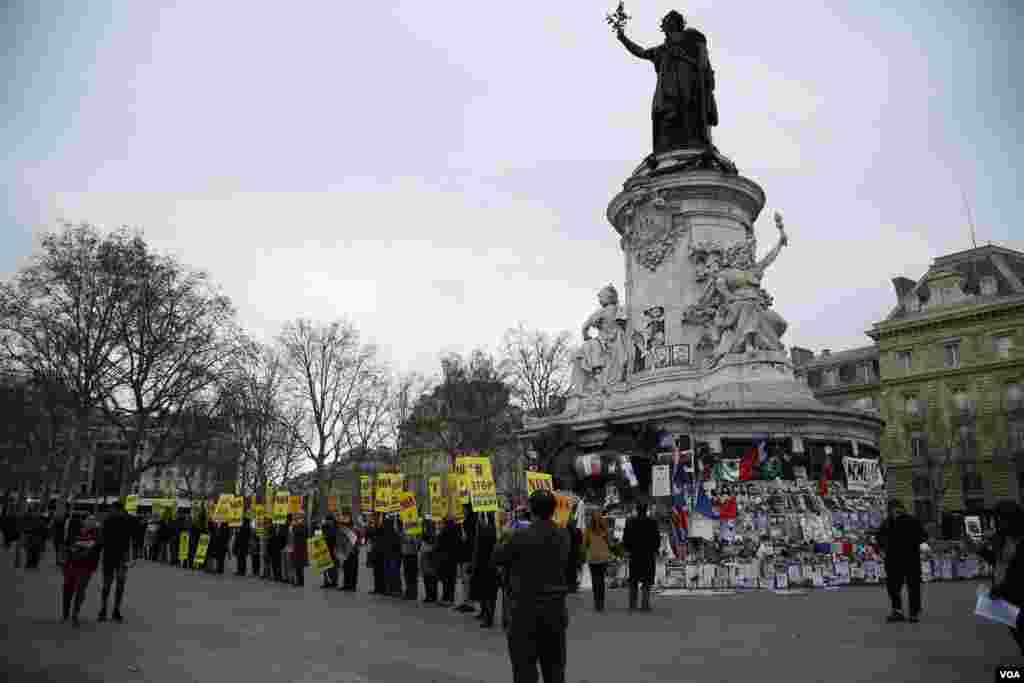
(602, 360)
(744, 320)
(684, 106)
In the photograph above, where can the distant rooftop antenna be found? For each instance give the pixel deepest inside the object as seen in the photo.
(970, 218)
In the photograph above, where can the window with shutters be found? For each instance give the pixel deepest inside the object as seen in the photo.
(952, 355)
(1003, 346)
(905, 360)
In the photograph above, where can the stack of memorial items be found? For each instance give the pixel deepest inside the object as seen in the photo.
(741, 524)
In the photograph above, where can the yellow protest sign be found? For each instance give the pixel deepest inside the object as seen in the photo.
(204, 544)
(319, 556)
(294, 505)
(409, 515)
(280, 507)
(382, 493)
(183, 541)
(236, 511)
(259, 516)
(538, 481)
(482, 491)
(131, 505)
(563, 509)
(222, 512)
(365, 494)
(438, 503)
(462, 470)
(454, 499)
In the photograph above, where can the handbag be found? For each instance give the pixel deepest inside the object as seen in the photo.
(82, 550)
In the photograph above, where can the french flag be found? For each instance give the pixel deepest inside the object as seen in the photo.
(750, 464)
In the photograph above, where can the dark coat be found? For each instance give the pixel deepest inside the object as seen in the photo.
(484, 584)
(900, 539)
(642, 539)
(448, 546)
(534, 561)
(300, 554)
(243, 537)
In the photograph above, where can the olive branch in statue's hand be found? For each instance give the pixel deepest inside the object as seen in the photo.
(618, 19)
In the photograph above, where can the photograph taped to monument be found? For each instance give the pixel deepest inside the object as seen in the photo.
(660, 356)
(680, 354)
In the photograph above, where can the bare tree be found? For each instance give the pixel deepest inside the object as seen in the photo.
(327, 369)
(59, 323)
(261, 421)
(538, 368)
(176, 335)
(369, 427)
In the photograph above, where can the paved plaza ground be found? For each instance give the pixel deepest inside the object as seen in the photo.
(187, 626)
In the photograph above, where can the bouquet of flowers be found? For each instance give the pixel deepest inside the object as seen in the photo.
(618, 19)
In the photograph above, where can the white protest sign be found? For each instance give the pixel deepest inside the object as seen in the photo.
(862, 474)
(660, 485)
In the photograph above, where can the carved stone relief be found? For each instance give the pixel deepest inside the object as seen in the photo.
(653, 233)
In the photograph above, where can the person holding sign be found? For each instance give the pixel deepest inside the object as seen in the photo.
(534, 561)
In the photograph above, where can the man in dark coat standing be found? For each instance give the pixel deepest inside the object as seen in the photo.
(900, 538)
(534, 560)
(116, 541)
(243, 537)
(642, 540)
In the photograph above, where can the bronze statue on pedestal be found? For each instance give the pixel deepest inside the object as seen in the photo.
(684, 106)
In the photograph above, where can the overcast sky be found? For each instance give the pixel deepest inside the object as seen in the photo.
(438, 175)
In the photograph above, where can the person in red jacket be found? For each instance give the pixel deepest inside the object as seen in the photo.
(82, 560)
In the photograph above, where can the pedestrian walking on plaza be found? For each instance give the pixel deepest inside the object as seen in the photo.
(243, 537)
(79, 566)
(116, 540)
(598, 551)
(484, 582)
(299, 552)
(411, 566)
(534, 560)
(330, 532)
(57, 536)
(1005, 552)
(642, 540)
(138, 537)
(37, 529)
(448, 543)
(900, 538)
(429, 562)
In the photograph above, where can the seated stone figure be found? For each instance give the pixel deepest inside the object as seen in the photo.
(602, 359)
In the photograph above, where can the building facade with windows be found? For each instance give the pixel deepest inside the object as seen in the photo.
(951, 366)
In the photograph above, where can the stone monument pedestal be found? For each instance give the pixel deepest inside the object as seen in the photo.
(698, 332)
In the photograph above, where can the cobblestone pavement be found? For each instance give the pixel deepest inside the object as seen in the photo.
(185, 626)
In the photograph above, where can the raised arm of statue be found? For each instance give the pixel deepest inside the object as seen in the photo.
(770, 257)
(635, 50)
